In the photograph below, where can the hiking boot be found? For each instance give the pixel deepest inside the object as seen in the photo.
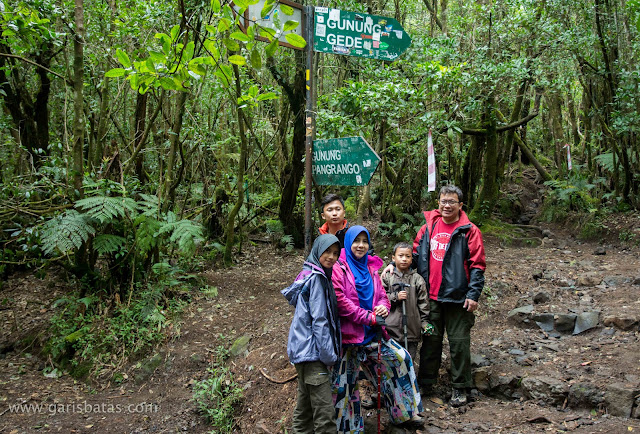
(416, 422)
(458, 398)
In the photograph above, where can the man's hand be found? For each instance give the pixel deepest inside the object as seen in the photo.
(388, 269)
(470, 305)
(381, 310)
(402, 295)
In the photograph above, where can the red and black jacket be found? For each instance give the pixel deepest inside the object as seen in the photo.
(464, 261)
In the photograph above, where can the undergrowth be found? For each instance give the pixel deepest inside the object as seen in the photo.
(94, 336)
(217, 395)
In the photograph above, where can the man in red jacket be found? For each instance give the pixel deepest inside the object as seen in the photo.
(449, 254)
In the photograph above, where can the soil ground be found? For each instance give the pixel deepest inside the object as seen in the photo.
(249, 303)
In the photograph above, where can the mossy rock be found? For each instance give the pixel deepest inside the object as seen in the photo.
(240, 345)
(82, 370)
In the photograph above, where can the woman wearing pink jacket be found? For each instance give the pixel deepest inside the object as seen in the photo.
(362, 306)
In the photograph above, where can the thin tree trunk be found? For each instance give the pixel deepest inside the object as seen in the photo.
(173, 151)
(240, 181)
(78, 103)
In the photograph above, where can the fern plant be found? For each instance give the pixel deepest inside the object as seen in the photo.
(66, 233)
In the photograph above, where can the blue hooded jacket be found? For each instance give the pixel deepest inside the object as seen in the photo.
(315, 329)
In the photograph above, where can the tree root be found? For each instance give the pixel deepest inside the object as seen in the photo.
(273, 380)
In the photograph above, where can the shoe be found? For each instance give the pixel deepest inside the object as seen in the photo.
(415, 422)
(458, 398)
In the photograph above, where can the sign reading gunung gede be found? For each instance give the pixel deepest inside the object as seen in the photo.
(344, 161)
(357, 34)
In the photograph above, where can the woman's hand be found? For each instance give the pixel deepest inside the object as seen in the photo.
(381, 310)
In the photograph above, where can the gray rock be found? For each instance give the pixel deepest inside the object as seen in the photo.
(537, 275)
(588, 279)
(620, 398)
(564, 322)
(479, 360)
(520, 314)
(609, 331)
(636, 410)
(565, 283)
(541, 297)
(547, 233)
(613, 281)
(622, 323)
(600, 251)
(516, 352)
(636, 281)
(240, 345)
(524, 361)
(505, 385)
(585, 395)
(546, 389)
(544, 321)
(586, 321)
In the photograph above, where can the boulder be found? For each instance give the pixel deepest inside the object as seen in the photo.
(504, 385)
(589, 279)
(546, 389)
(619, 399)
(564, 322)
(586, 395)
(544, 321)
(521, 315)
(479, 360)
(586, 321)
(541, 297)
(481, 378)
(240, 345)
(619, 322)
(600, 251)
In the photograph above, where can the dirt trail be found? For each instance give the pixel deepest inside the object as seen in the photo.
(534, 380)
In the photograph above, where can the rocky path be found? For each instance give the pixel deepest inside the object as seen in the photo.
(534, 373)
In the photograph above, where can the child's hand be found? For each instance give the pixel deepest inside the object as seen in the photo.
(402, 295)
(381, 310)
(388, 269)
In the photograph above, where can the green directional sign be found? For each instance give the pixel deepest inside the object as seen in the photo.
(357, 34)
(345, 161)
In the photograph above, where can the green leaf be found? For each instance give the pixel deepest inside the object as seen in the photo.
(287, 10)
(256, 59)
(268, 5)
(267, 96)
(231, 45)
(211, 29)
(290, 25)
(175, 32)
(197, 67)
(115, 72)
(167, 83)
(123, 58)
(237, 60)
(295, 40)
(272, 48)
(242, 4)
(187, 54)
(268, 33)
(240, 36)
(224, 25)
(215, 5)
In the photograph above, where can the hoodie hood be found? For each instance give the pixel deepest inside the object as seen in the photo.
(292, 291)
(433, 216)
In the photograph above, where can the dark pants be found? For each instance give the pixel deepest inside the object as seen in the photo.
(457, 322)
(314, 411)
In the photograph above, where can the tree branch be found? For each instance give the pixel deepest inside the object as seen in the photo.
(15, 56)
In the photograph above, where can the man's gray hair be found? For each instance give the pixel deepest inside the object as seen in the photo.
(451, 189)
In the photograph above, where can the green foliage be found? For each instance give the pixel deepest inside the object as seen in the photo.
(569, 195)
(66, 233)
(217, 396)
(90, 335)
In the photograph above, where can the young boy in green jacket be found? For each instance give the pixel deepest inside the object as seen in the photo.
(406, 285)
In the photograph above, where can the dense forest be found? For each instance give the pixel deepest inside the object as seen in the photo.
(144, 139)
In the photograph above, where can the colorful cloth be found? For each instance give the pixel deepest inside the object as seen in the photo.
(400, 393)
